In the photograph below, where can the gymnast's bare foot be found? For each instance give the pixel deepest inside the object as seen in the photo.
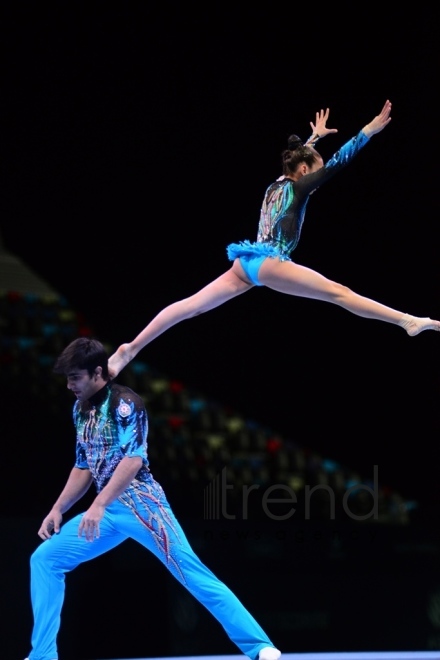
(120, 358)
(415, 324)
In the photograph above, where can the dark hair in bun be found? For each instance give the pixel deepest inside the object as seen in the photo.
(297, 152)
(293, 142)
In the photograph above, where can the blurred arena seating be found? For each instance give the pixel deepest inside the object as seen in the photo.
(193, 441)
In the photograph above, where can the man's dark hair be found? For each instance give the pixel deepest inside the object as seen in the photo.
(82, 353)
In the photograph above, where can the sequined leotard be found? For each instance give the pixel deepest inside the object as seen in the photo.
(283, 211)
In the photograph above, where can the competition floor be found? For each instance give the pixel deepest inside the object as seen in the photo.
(365, 655)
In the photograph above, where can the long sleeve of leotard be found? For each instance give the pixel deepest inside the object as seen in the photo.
(339, 160)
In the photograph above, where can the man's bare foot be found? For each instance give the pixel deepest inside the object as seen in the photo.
(415, 324)
(120, 358)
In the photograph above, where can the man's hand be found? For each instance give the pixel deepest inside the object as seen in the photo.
(50, 525)
(89, 525)
(379, 122)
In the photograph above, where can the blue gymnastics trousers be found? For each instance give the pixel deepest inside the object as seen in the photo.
(152, 523)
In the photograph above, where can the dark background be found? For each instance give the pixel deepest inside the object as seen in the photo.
(138, 141)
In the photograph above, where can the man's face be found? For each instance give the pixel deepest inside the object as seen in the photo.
(82, 384)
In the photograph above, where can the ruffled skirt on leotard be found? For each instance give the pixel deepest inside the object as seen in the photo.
(248, 249)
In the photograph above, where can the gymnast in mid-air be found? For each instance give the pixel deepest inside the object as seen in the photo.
(267, 261)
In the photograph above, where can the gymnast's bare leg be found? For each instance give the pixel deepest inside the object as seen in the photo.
(295, 280)
(283, 276)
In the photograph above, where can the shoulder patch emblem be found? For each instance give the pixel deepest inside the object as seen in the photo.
(124, 409)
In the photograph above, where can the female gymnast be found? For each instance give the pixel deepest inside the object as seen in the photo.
(267, 261)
